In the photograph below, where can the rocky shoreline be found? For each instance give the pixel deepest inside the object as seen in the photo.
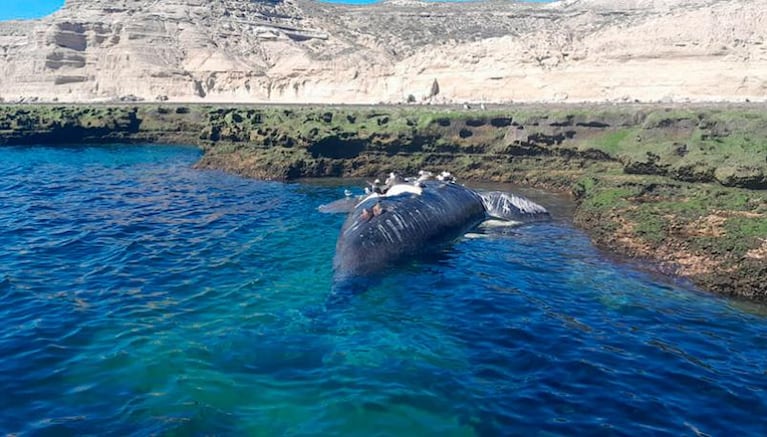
(685, 187)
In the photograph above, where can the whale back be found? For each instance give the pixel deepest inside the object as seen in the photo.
(383, 230)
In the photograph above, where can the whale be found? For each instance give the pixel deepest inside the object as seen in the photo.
(412, 219)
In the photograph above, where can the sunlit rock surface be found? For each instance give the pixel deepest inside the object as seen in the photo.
(292, 51)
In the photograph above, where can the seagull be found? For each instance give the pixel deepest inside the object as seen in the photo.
(424, 176)
(446, 176)
(375, 186)
(393, 179)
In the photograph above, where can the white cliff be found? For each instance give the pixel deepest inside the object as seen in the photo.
(301, 51)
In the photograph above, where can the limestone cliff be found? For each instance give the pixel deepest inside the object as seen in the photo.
(303, 51)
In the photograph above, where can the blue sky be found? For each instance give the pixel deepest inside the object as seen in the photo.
(13, 9)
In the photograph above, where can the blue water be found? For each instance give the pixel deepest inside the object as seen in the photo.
(139, 296)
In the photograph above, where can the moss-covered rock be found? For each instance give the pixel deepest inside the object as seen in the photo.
(715, 236)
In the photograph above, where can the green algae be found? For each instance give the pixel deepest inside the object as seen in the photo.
(710, 233)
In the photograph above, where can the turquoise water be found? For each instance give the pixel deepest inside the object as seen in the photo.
(139, 296)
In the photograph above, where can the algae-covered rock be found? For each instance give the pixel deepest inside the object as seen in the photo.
(712, 235)
(752, 177)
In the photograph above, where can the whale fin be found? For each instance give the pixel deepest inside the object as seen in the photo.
(340, 206)
(508, 206)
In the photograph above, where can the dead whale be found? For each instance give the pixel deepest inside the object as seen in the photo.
(410, 218)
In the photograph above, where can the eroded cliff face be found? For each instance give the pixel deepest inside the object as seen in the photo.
(288, 51)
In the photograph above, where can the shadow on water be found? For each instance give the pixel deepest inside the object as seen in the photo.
(345, 289)
(398, 298)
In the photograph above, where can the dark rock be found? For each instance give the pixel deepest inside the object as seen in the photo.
(199, 91)
(651, 166)
(544, 139)
(596, 155)
(337, 148)
(593, 124)
(693, 173)
(500, 121)
(565, 123)
(130, 98)
(476, 122)
(750, 177)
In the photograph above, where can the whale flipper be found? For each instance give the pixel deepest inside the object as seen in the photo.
(340, 206)
(508, 206)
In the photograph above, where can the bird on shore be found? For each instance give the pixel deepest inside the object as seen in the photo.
(446, 176)
(424, 175)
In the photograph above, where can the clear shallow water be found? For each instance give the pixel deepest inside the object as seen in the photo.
(139, 296)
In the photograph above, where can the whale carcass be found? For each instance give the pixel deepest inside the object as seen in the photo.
(404, 219)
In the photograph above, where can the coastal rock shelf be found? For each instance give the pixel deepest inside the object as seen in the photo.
(299, 51)
(684, 187)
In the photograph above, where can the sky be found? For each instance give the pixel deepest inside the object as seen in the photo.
(14, 9)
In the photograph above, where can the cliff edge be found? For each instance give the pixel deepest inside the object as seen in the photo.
(290, 51)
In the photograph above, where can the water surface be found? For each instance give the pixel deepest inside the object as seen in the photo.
(139, 296)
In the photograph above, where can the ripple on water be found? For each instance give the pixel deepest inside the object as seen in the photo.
(143, 297)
